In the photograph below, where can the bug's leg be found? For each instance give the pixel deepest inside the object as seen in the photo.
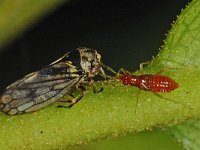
(91, 83)
(149, 63)
(105, 76)
(95, 90)
(137, 100)
(75, 100)
(71, 97)
(171, 100)
(145, 87)
(144, 64)
(164, 70)
(108, 68)
(122, 70)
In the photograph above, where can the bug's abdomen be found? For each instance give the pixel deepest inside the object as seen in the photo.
(157, 83)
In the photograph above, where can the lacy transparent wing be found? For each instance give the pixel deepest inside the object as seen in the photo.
(39, 89)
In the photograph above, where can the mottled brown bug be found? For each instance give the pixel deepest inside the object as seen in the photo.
(36, 90)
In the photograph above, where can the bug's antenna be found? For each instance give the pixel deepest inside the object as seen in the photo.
(108, 68)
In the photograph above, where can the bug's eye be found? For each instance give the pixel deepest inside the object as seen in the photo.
(95, 68)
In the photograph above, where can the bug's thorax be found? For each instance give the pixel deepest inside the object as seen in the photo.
(90, 62)
(129, 79)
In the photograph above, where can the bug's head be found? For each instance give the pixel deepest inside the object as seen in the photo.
(90, 61)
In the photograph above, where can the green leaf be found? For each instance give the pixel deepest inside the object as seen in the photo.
(17, 16)
(181, 48)
(187, 134)
(113, 112)
(148, 140)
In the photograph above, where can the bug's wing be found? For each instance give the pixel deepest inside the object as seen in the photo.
(38, 89)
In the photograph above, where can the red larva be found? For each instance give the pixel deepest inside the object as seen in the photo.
(149, 82)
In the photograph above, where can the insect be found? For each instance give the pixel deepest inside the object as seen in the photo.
(36, 90)
(149, 82)
(155, 83)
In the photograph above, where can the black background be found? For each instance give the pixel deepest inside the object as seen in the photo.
(126, 33)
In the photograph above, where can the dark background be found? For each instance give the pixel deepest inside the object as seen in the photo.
(126, 33)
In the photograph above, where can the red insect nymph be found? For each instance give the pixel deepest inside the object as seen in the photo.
(149, 82)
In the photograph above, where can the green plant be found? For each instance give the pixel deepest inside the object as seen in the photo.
(111, 113)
